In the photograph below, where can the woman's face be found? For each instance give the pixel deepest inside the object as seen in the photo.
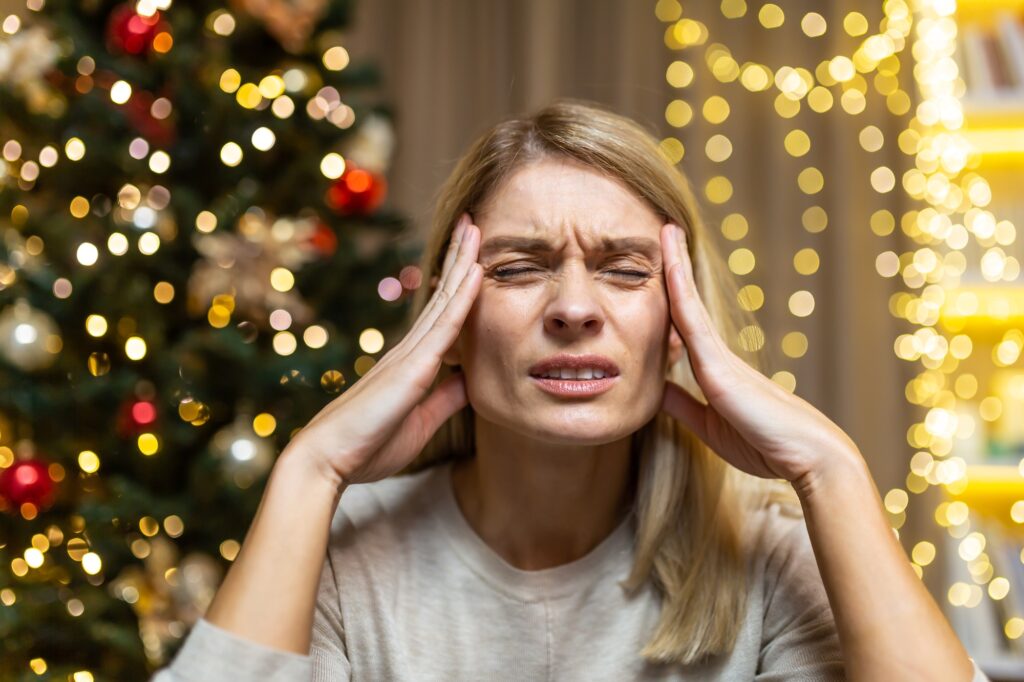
(572, 265)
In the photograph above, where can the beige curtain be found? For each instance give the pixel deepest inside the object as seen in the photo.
(452, 67)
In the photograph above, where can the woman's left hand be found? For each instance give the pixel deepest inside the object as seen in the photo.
(750, 421)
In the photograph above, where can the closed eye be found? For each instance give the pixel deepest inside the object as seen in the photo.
(512, 272)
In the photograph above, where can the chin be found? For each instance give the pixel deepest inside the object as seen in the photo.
(590, 429)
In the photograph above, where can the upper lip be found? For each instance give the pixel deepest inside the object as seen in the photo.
(575, 362)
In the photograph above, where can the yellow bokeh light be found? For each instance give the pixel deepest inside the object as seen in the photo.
(332, 165)
(231, 154)
(336, 58)
(282, 279)
(672, 149)
(855, 24)
(806, 261)
(871, 138)
(733, 9)
(841, 69)
(734, 227)
(814, 219)
(88, 461)
(163, 292)
(813, 25)
(96, 325)
(771, 15)
(718, 148)
(264, 424)
(810, 180)
(750, 297)
(820, 99)
(371, 340)
(678, 113)
(742, 261)
(882, 222)
(271, 86)
(679, 74)
(883, 180)
(248, 96)
(718, 189)
(135, 348)
(315, 336)
(148, 443)
(715, 109)
(801, 303)
(794, 344)
(91, 563)
(797, 143)
(284, 343)
(230, 80)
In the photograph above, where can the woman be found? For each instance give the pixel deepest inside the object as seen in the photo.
(593, 481)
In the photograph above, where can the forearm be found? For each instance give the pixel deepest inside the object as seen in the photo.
(269, 593)
(889, 626)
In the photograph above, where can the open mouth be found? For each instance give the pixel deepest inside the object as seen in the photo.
(580, 385)
(575, 375)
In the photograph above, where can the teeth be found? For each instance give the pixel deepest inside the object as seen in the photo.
(581, 374)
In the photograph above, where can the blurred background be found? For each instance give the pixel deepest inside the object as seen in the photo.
(211, 214)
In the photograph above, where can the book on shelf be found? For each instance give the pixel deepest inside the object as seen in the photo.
(1000, 440)
(991, 58)
(982, 625)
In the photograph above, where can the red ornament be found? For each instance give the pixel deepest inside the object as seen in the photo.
(324, 239)
(128, 31)
(357, 191)
(136, 416)
(27, 481)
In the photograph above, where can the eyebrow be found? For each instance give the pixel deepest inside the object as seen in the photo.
(643, 245)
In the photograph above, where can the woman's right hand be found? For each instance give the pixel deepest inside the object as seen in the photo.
(382, 422)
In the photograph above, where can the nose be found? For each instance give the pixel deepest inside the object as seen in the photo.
(574, 307)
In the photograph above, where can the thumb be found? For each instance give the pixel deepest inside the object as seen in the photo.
(678, 402)
(445, 400)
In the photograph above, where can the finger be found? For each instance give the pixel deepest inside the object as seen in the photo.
(692, 413)
(453, 245)
(444, 288)
(465, 267)
(446, 328)
(707, 351)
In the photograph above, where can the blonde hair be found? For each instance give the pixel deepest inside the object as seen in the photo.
(690, 504)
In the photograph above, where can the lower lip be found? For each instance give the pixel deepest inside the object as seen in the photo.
(575, 387)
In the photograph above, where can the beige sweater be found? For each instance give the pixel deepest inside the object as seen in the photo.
(410, 592)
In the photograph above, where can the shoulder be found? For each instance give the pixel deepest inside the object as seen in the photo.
(780, 545)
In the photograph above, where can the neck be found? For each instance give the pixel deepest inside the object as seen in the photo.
(539, 504)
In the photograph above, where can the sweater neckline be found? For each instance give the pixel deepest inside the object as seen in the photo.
(614, 552)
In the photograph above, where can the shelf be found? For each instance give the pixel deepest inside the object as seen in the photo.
(984, 311)
(991, 490)
(984, 11)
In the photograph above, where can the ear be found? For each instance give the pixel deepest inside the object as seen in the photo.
(675, 345)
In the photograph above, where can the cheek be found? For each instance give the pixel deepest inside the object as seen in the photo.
(496, 325)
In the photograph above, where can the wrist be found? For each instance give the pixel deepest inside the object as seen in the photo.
(304, 468)
(837, 468)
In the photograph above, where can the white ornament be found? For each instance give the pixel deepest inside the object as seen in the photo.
(24, 336)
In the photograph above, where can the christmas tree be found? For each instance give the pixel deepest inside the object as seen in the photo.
(195, 260)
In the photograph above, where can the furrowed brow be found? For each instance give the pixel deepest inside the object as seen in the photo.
(526, 244)
(642, 245)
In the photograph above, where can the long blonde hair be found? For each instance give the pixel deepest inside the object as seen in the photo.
(690, 504)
